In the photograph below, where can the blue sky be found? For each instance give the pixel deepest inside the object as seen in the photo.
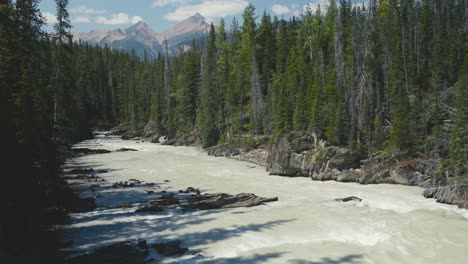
(161, 14)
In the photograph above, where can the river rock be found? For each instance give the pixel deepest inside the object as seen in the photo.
(171, 248)
(150, 209)
(224, 150)
(125, 149)
(190, 190)
(348, 199)
(166, 200)
(123, 184)
(87, 151)
(80, 171)
(123, 252)
(224, 200)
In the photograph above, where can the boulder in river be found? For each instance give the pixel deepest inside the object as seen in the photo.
(87, 151)
(122, 252)
(349, 199)
(224, 200)
(171, 248)
(190, 190)
(80, 171)
(150, 209)
(125, 149)
(125, 184)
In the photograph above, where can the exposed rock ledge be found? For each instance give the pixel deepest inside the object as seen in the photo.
(303, 156)
(457, 195)
(297, 158)
(256, 156)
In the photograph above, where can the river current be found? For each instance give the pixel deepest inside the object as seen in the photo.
(392, 224)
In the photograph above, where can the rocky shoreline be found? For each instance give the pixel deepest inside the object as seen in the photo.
(306, 156)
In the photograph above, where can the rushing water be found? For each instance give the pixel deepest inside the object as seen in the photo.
(393, 224)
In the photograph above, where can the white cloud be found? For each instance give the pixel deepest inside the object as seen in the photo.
(82, 9)
(136, 19)
(210, 9)
(51, 18)
(280, 9)
(117, 19)
(315, 4)
(81, 19)
(312, 6)
(161, 3)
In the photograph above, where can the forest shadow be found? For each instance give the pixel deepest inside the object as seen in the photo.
(218, 234)
(108, 226)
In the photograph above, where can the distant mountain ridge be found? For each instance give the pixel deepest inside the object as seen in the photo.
(141, 38)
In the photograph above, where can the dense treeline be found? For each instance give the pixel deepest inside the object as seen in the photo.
(388, 78)
(381, 78)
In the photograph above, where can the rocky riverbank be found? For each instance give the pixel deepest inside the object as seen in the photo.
(305, 155)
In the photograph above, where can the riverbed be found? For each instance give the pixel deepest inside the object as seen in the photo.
(392, 224)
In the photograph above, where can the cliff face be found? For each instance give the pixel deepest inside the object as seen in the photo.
(302, 156)
(290, 159)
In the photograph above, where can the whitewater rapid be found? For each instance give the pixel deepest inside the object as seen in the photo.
(392, 224)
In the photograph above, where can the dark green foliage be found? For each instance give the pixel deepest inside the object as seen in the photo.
(458, 157)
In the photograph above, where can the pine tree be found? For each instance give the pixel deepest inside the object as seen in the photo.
(210, 97)
(61, 27)
(459, 138)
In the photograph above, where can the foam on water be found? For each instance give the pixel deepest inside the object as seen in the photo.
(393, 223)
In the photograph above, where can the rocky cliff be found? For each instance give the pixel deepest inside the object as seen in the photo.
(304, 156)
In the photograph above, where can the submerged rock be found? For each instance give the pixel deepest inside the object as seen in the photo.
(171, 248)
(123, 252)
(348, 199)
(125, 149)
(190, 190)
(80, 171)
(150, 209)
(87, 151)
(130, 183)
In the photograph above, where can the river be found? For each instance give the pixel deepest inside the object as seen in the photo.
(392, 224)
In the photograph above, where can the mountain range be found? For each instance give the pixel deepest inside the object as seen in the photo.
(141, 38)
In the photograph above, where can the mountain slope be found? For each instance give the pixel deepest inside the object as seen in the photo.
(192, 28)
(141, 38)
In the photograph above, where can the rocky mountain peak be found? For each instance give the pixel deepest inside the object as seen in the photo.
(197, 18)
(142, 38)
(139, 27)
(192, 28)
